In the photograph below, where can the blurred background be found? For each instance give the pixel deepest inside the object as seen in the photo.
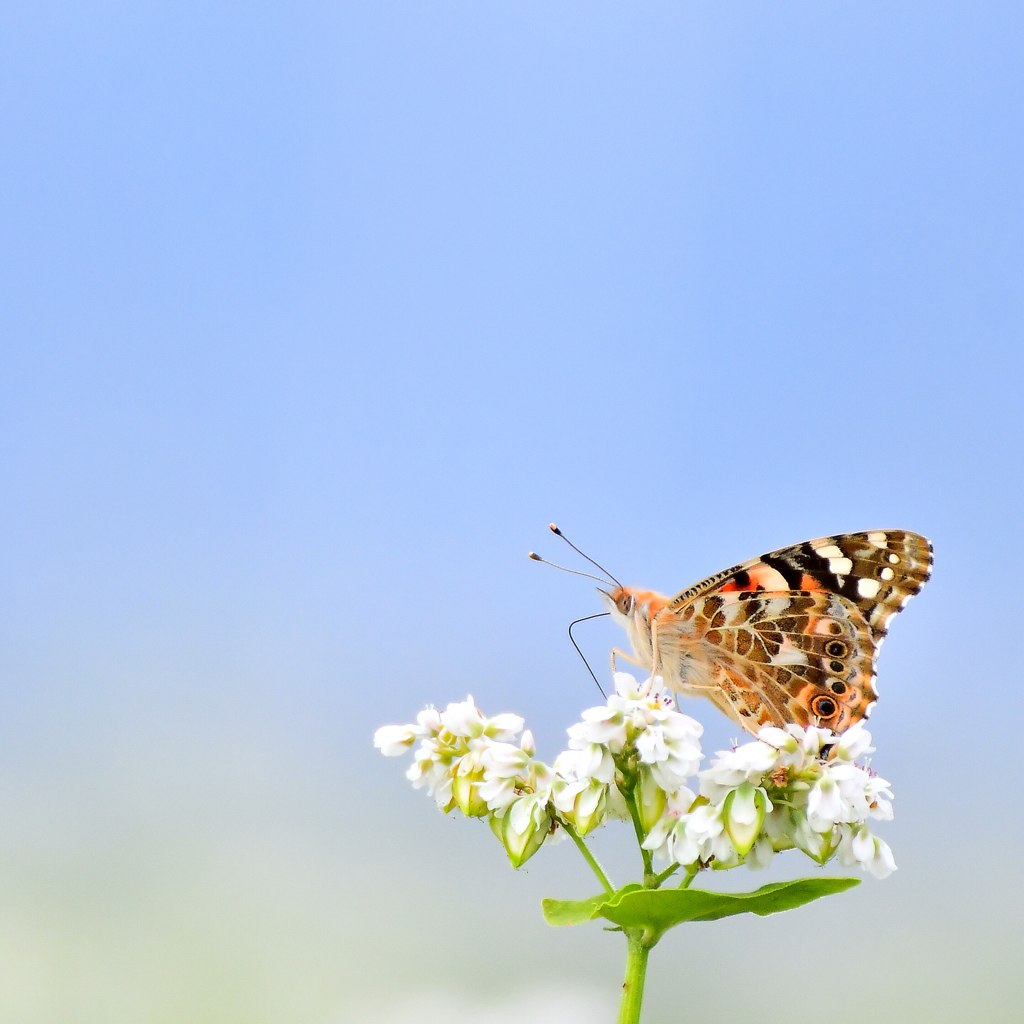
(313, 317)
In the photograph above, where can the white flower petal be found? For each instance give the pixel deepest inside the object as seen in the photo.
(393, 740)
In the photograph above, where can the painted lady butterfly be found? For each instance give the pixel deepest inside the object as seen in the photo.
(792, 636)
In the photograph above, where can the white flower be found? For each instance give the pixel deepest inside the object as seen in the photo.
(853, 743)
(704, 823)
(505, 760)
(465, 719)
(644, 715)
(603, 726)
(497, 793)
(876, 790)
(811, 739)
(589, 761)
(844, 793)
(748, 763)
(825, 806)
(508, 770)
(883, 864)
(528, 809)
(669, 837)
(579, 794)
(778, 738)
(859, 847)
(761, 854)
(436, 777)
(628, 689)
(393, 740)
(670, 744)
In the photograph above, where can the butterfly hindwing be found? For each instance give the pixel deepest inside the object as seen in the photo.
(797, 656)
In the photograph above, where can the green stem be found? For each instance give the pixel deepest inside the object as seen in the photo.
(636, 971)
(691, 874)
(665, 874)
(588, 856)
(629, 795)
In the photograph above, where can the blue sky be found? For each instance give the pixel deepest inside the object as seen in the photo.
(316, 315)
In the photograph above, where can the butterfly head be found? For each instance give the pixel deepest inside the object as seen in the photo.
(627, 604)
(620, 602)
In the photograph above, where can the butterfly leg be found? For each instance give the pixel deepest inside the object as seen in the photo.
(654, 647)
(623, 654)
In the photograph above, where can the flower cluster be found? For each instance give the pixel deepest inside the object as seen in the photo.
(473, 763)
(789, 788)
(632, 758)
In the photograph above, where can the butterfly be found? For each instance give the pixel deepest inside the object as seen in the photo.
(792, 636)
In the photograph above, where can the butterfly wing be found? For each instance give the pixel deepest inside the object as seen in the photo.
(793, 636)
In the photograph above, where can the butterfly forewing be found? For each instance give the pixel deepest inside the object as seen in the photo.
(793, 636)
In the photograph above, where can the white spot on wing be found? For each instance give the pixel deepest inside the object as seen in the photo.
(877, 538)
(869, 709)
(867, 588)
(887, 573)
(829, 551)
(895, 559)
(840, 566)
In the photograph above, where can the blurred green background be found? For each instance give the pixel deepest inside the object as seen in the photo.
(314, 315)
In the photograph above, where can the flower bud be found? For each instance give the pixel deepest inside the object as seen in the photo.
(520, 846)
(527, 744)
(743, 815)
(816, 845)
(589, 807)
(650, 799)
(466, 793)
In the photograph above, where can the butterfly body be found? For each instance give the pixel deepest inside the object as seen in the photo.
(792, 636)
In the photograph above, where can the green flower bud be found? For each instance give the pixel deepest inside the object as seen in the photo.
(590, 807)
(650, 799)
(520, 846)
(466, 793)
(743, 815)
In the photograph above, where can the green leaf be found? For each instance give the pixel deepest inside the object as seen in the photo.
(659, 909)
(562, 912)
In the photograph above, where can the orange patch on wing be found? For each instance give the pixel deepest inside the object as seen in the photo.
(810, 583)
(765, 576)
(759, 577)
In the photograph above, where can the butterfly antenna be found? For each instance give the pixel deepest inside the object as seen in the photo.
(575, 622)
(555, 530)
(575, 572)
